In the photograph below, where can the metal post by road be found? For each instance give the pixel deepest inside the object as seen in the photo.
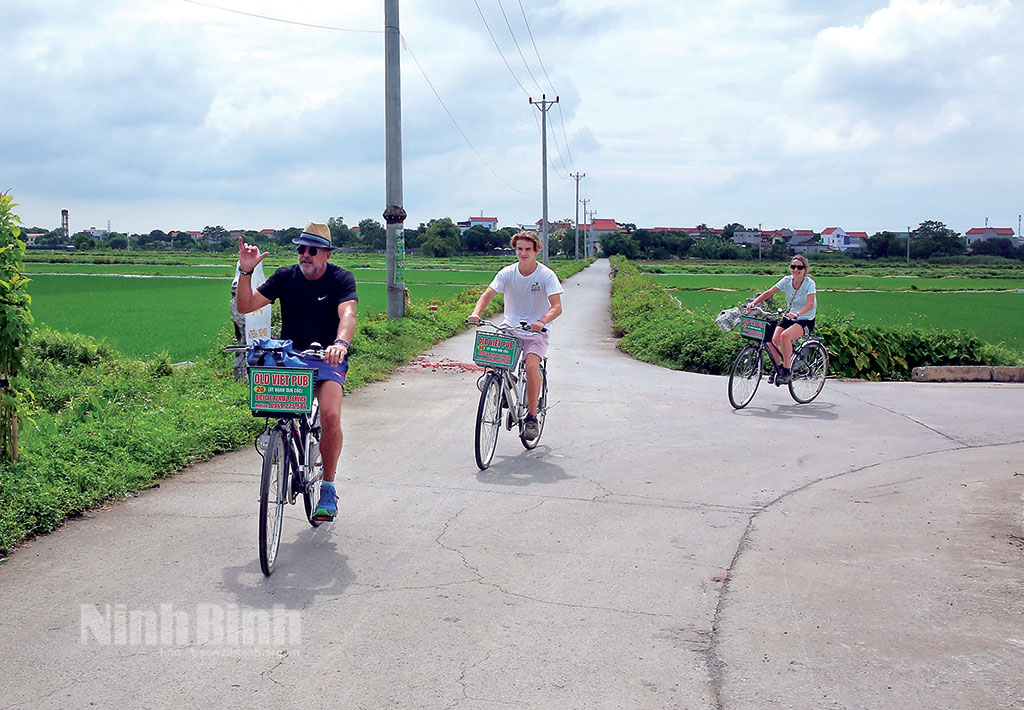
(577, 176)
(394, 214)
(586, 237)
(544, 105)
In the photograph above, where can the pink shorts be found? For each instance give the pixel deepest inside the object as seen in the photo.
(533, 343)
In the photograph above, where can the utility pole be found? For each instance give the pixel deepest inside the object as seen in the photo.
(394, 213)
(586, 237)
(908, 245)
(577, 176)
(759, 238)
(544, 105)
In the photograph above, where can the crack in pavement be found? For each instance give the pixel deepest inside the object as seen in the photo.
(715, 665)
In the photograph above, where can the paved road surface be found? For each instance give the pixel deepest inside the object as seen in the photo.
(657, 550)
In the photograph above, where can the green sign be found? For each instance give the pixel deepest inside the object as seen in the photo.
(281, 389)
(495, 350)
(753, 328)
(400, 256)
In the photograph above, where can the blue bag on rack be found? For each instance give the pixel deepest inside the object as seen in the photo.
(268, 352)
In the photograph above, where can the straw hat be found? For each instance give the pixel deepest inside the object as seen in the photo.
(315, 235)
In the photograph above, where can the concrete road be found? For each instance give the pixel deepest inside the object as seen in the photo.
(657, 550)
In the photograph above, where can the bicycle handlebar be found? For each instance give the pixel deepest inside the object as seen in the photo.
(314, 352)
(523, 325)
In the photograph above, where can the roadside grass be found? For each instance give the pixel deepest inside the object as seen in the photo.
(104, 425)
(853, 282)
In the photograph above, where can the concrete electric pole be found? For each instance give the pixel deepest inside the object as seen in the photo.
(544, 105)
(586, 236)
(394, 213)
(577, 176)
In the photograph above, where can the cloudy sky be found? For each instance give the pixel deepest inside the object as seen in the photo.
(170, 114)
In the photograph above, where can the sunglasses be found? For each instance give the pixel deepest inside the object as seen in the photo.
(303, 249)
(798, 267)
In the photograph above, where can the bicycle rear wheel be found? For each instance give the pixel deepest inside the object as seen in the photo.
(272, 495)
(745, 376)
(810, 365)
(488, 420)
(311, 491)
(542, 406)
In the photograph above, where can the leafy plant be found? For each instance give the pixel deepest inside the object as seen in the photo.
(15, 325)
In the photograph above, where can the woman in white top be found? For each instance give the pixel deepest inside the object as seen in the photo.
(801, 307)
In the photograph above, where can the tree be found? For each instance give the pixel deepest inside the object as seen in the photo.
(341, 234)
(83, 241)
(285, 236)
(933, 238)
(994, 247)
(115, 240)
(619, 243)
(716, 247)
(213, 235)
(882, 244)
(730, 229)
(372, 234)
(442, 238)
(479, 239)
(505, 234)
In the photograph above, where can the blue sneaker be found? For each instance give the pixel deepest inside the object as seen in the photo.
(327, 506)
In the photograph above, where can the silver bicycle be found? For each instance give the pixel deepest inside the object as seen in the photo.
(503, 399)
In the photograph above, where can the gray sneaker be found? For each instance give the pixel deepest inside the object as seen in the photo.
(531, 429)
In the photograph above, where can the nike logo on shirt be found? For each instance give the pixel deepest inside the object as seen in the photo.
(321, 298)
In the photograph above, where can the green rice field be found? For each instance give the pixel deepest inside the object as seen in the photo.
(993, 317)
(141, 316)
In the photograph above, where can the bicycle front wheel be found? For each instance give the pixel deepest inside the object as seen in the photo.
(311, 481)
(745, 376)
(272, 496)
(488, 420)
(542, 406)
(810, 365)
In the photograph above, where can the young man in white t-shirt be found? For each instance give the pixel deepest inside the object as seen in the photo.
(532, 294)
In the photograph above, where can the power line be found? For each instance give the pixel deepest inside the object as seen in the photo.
(405, 45)
(499, 48)
(540, 61)
(518, 48)
(287, 22)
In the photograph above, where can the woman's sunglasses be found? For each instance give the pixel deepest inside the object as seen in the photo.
(303, 249)
(798, 267)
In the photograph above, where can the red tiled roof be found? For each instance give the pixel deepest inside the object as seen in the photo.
(484, 219)
(1005, 231)
(605, 224)
(862, 235)
(830, 230)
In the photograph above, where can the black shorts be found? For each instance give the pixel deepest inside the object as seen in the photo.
(807, 324)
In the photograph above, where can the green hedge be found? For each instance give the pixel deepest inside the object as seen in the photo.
(654, 328)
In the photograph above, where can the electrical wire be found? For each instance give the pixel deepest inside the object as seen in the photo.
(518, 48)
(405, 46)
(502, 54)
(540, 61)
(287, 22)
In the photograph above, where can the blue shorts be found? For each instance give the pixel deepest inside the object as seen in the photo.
(324, 371)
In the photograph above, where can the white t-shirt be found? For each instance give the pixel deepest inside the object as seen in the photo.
(526, 297)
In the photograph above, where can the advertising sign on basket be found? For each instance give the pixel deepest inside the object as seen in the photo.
(281, 390)
(495, 350)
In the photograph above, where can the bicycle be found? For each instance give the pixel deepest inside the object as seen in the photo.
(290, 446)
(810, 358)
(503, 399)
(612, 273)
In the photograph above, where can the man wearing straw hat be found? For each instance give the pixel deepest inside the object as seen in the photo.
(318, 305)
